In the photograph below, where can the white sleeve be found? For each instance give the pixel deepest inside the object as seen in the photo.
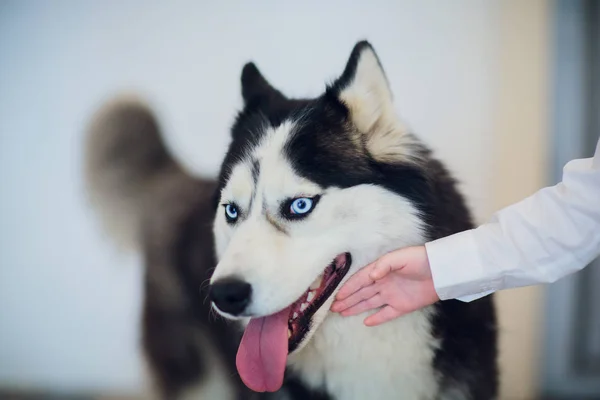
(551, 234)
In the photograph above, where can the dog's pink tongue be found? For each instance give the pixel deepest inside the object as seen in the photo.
(263, 352)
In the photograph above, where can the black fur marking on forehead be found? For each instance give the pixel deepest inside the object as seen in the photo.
(250, 127)
(323, 150)
(255, 170)
(264, 107)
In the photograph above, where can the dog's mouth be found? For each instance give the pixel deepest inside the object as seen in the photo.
(267, 341)
(301, 312)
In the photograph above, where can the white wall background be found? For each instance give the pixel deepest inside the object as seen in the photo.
(69, 302)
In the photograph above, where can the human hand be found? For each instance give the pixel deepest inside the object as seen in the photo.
(399, 281)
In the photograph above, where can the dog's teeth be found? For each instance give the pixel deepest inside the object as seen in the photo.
(303, 306)
(311, 295)
(289, 333)
(295, 315)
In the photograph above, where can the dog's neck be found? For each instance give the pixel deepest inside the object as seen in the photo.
(352, 361)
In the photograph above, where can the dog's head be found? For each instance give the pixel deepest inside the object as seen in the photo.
(309, 192)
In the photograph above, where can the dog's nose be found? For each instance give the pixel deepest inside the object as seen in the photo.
(231, 295)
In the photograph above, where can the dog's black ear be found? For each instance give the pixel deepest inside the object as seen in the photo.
(364, 89)
(256, 90)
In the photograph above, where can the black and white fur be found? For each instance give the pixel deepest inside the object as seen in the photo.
(379, 189)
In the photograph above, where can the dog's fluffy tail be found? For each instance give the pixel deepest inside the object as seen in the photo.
(125, 159)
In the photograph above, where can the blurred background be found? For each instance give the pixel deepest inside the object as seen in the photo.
(506, 92)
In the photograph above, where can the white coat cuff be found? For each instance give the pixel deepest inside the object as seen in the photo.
(457, 270)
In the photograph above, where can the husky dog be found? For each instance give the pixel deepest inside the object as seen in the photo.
(310, 191)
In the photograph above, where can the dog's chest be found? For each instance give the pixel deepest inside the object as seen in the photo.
(352, 361)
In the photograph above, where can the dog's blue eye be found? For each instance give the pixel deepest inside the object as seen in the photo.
(231, 212)
(301, 205)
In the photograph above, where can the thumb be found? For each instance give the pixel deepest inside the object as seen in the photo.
(393, 261)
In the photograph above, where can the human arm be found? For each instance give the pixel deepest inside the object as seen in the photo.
(552, 233)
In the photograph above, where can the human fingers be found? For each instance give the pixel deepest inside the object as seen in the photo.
(357, 281)
(355, 298)
(365, 305)
(386, 314)
(389, 262)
